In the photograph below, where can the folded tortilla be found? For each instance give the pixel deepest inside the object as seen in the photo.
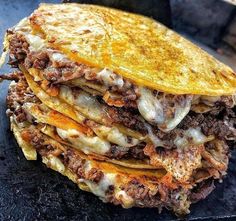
(136, 47)
(120, 104)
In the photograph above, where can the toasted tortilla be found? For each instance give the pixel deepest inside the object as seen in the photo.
(113, 175)
(136, 47)
(63, 107)
(27, 149)
(107, 166)
(182, 169)
(54, 119)
(130, 163)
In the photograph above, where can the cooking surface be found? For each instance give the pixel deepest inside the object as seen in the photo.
(30, 191)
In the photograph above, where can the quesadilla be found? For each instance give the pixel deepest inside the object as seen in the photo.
(123, 106)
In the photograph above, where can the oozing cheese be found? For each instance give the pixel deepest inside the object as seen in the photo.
(152, 110)
(58, 57)
(126, 200)
(83, 102)
(84, 143)
(179, 115)
(100, 189)
(115, 136)
(150, 107)
(90, 107)
(193, 136)
(109, 78)
(155, 140)
(36, 43)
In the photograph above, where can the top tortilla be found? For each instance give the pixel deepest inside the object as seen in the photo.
(136, 47)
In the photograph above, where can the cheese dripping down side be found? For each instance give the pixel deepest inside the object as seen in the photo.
(152, 109)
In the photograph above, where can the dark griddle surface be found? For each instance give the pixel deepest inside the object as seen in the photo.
(30, 191)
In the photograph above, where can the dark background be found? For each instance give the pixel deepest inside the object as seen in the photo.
(30, 191)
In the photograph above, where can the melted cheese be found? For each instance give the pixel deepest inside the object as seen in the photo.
(126, 200)
(179, 115)
(197, 136)
(101, 188)
(83, 102)
(109, 78)
(87, 166)
(92, 109)
(150, 107)
(87, 144)
(36, 43)
(57, 57)
(115, 136)
(191, 136)
(155, 140)
(152, 110)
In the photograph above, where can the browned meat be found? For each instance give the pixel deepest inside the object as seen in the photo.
(62, 70)
(38, 60)
(35, 138)
(95, 175)
(20, 115)
(19, 48)
(134, 152)
(219, 122)
(137, 151)
(74, 162)
(14, 76)
(116, 152)
(221, 126)
(127, 118)
(141, 193)
(20, 93)
(162, 195)
(226, 101)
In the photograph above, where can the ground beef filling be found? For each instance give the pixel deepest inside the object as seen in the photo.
(177, 199)
(220, 121)
(62, 71)
(222, 125)
(20, 93)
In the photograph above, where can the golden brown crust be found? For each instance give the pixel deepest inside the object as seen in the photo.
(133, 46)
